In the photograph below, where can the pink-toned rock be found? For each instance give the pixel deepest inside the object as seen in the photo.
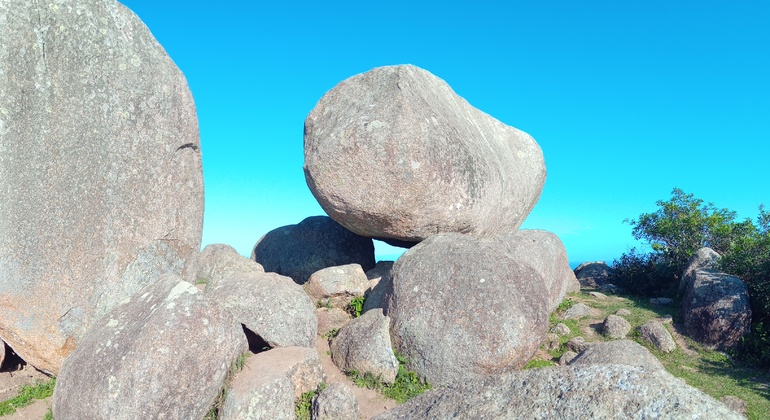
(163, 353)
(337, 285)
(395, 153)
(100, 183)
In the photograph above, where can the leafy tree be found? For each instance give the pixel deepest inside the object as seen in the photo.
(684, 224)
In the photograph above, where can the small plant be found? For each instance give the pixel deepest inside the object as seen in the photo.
(28, 394)
(356, 306)
(201, 281)
(303, 405)
(324, 303)
(538, 363)
(329, 335)
(564, 305)
(406, 386)
(48, 414)
(235, 367)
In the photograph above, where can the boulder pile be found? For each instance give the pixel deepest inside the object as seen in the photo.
(102, 175)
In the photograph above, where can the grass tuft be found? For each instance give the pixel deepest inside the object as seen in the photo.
(27, 395)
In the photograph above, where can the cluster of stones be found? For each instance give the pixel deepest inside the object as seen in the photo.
(103, 176)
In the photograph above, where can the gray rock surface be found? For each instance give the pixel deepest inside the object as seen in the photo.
(567, 357)
(219, 261)
(336, 402)
(100, 181)
(381, 285)
(577, 310)
(544, 251)
(736, 404)
(337, 285)
(578, 344)
(552, 342)
(270, 305)
(657, 335)
(592, 274)
(615, 326)
(560, 329)
(716, 308)
(703, 258)
(618, 352)
(270, 382)
(463, 307)
(566, 392)
(163, 353)
(364, 345)
(457, 169)
(297, 251)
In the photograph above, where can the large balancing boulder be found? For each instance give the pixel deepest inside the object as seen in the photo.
(100, 170)
(396, 154)
(164, 353)
(464, 307)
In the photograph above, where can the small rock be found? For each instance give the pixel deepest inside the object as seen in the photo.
(577, 310)
(578, 344)
(338, 285)
(331, 318)
(364, 345)
(656, 334)
(560, 329)
(736, 404)
(622, 312)
(666, 319)
(336, 402)
(597, 295)
(616, 327)
(567, 357)
(661, 301)
(552, 342)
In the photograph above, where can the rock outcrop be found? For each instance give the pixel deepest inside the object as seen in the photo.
(297, 251)
(703, 258)
(463, 307)
(592, 274)
(544, 251)
(716, 308)
(163, 353)
(100, 183)
(456, 168)
(603, 391)
(219, 261)
(271, 306)
(618, 352)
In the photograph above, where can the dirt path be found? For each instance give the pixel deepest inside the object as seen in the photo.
(10, 383)
(370, 402)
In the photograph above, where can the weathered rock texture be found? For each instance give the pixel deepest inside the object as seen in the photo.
(337, 285)
(463, 307)
(297, 251)
(396, 153)
(336, 402)
(544, 251)
(100, 170)
(270, 305)
(577, 310)
(703, 258)
(164, 353)
(656, 334)
(364, 345)
(270, 382)
(619, 352)
(615, 326)
(568, 392)
(592, 274)
(380, 277)
(716, 309)
(218, 261)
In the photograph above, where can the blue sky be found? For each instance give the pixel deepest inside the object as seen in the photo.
(627, 99)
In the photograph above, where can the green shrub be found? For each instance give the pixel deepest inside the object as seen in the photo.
(356, 306)
(406, 386)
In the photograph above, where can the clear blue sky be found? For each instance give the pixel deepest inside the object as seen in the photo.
(626, 99)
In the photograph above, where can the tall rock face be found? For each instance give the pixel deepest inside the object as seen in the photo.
(396, 154)
(101, 187)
